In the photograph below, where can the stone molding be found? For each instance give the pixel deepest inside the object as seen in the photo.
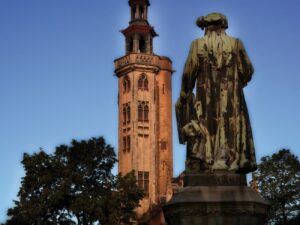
(139, 59)
(216, 179)
(214, 199)
(218, 208)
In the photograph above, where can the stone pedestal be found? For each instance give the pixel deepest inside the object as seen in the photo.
(216, 199)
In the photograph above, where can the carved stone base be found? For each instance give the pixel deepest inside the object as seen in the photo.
(224, 199)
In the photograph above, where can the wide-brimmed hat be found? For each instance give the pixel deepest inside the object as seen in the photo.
(216, 19)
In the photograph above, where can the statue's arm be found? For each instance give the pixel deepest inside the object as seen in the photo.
(185, 103)
(245, 68)
(190, 71)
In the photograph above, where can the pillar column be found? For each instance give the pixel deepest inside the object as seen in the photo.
(138, 12)
(145, 12)
(148, 44)
(135, 43)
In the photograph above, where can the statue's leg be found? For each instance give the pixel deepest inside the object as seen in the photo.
(221, 149)
(193, 166)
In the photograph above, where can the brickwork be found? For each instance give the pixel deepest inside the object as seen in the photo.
(145, 114)
(151, 139)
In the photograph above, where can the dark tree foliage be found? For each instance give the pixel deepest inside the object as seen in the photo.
(75, 185)
(295, 221)
(278, 180)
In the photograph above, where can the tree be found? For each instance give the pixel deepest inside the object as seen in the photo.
(295, 221)
(278, 180)
(75, 185)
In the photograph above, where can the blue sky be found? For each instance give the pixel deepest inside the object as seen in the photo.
(57, 83)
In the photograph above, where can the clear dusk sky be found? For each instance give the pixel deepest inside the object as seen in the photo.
(57, 83)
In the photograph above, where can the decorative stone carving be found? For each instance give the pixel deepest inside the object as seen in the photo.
(124, 61)
(144, 59)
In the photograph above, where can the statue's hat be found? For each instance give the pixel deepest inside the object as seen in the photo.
(216, 19)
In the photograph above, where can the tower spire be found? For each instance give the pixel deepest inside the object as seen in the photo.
(139, 34)
(139, 9)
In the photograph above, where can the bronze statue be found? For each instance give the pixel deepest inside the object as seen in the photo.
(215, 122)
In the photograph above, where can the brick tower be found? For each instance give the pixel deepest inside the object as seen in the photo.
(145, 113)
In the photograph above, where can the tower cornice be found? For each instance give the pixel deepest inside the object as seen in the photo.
(138, 61)
(135, 28)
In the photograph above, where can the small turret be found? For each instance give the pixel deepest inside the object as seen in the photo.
(139, 34)
(145, 115)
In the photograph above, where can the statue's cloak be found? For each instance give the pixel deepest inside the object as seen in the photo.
(219, 67)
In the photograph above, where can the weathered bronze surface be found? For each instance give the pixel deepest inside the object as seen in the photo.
(214, 123)
(216, 205)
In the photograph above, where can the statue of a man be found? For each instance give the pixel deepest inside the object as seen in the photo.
(215, 123)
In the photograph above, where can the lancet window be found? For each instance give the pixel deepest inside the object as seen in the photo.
(126, 143)
(126, 113)
(143, 181)
(143, 111)
(142, 45)
(126, 84)
(133, 12)
(143, 82)
(141, 12)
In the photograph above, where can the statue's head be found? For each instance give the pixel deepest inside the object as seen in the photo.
(212, 19)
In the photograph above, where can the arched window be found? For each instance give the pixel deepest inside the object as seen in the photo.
(126, 84)
(126, 143)
(141, 12)
(143, 181)
(142, 45)
(143, 83)
(143, 111)
(146, 113)
(140, 112)
(126, 113)
(133, 13)
(129, 44)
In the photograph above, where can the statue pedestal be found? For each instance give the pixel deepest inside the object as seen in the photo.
(216, 199)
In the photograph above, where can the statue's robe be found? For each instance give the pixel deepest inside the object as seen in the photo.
(219, 67)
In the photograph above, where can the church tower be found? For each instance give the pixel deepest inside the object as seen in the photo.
(145, 113)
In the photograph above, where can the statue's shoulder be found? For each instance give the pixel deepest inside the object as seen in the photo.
(198, 43)
(230, 42)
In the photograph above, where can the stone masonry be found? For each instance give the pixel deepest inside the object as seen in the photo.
(145, 114)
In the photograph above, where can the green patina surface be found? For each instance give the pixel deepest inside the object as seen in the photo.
(214, 122)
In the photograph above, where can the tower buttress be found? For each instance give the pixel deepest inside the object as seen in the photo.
(145, 114)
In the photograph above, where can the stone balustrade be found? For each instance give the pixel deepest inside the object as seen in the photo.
(143, 59)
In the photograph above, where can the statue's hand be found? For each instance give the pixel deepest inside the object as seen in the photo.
(182, 99)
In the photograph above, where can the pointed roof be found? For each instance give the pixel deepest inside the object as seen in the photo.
(136, 28)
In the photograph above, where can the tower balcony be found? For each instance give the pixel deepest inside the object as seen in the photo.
(135, 61)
